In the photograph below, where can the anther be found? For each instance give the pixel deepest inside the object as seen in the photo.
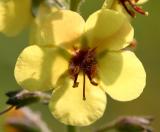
(94, 83)
(75, 84)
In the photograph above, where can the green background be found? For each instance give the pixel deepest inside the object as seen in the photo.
(147, 32)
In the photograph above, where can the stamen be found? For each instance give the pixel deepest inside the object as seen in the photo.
(84, 86)
(84, 60)
(6, 110)
(136, 8)
(132, 13)
(75, 84)
(93, 82)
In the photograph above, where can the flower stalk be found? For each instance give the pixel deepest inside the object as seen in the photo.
(71, 129)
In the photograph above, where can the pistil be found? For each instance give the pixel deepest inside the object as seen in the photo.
(84, 86)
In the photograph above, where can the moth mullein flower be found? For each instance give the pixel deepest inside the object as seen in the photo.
(15, 15)
(81, 61)
(131, 7)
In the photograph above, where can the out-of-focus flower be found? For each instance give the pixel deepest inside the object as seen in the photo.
(15, 15)
(129, 124)
(24, 120)
(67, 50)
(23, 98)
(134, 124)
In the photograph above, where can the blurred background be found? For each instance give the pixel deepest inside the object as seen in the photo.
(147, 32)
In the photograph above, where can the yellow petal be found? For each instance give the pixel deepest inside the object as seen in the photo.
(122, 74)
(108, 30)
(38, 68)
(15, 15)
(68, 106)
(61, 28)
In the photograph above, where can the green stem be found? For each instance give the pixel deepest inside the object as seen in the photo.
(74, 4)
(71, 129)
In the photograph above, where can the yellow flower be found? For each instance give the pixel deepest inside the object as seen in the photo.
(81, 61)
(123, 6)
(15, 15)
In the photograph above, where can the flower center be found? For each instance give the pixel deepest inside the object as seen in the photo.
(136, 8)
(84, 60)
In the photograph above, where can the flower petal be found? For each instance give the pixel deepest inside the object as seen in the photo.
(61, 28)
(38, 68)
(108, 30)
(122, 74)
(15, 15)
(68, 106)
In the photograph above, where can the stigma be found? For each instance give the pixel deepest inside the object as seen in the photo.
(83, 61)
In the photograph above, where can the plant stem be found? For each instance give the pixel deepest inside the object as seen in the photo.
(74, 4)
(71, 129)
